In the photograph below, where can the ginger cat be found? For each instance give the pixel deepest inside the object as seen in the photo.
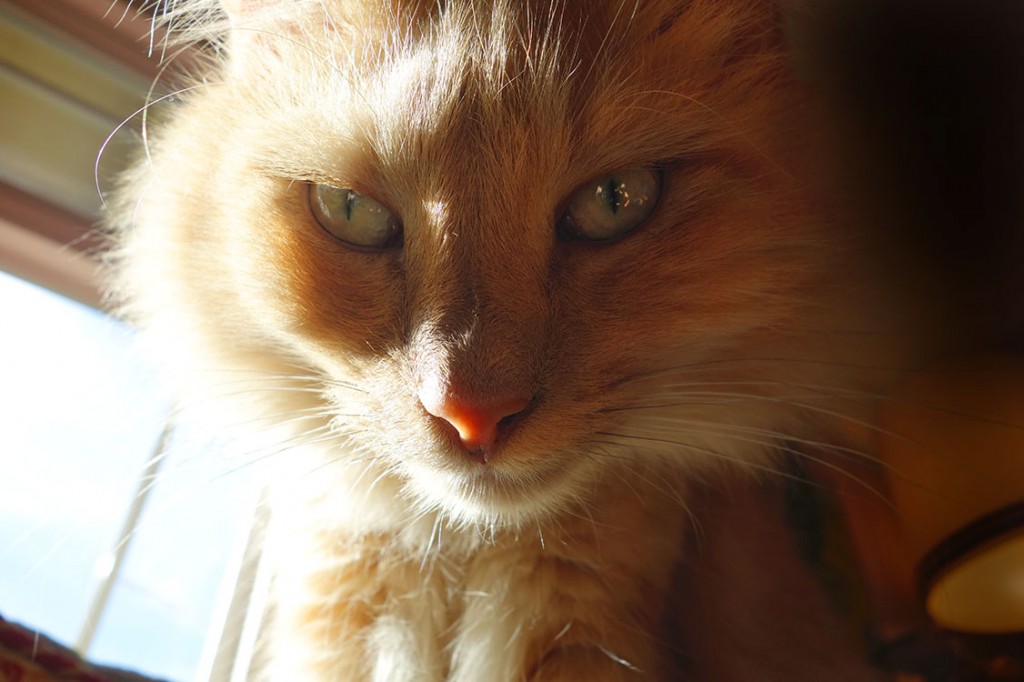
(507, 283)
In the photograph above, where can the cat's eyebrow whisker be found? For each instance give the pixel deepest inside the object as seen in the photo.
(165, 65)
(126, 121)
(148, 101)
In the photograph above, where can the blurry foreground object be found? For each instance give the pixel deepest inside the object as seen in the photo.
(954, 439)
(944, 562)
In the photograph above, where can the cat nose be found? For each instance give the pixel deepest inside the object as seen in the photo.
(477, 421)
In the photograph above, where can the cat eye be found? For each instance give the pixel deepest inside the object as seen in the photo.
(353, 218)
(611, 206)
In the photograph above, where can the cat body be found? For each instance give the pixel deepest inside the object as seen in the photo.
(740, 314)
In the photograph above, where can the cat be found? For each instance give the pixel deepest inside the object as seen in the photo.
(508, 286)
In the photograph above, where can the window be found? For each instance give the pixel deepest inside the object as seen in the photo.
(83, 418)
(86, 445)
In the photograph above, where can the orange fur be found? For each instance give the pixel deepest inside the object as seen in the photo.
(741, 314)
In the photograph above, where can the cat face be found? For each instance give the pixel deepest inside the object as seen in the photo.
(503, 247)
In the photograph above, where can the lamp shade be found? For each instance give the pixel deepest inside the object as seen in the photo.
(953, 444)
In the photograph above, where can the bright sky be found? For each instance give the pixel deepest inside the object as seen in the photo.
(79, 417)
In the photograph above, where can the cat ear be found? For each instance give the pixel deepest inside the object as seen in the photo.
(255, 28)
(262, 31)
(238, 10)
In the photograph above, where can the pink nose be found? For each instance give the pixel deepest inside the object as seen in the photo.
(478, 422)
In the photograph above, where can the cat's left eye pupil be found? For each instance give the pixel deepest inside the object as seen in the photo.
(354, 218)
(348, 205)
(606, 193)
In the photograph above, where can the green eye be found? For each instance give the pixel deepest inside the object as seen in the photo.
(354, 218)
(611, 206)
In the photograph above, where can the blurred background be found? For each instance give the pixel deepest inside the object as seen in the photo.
(116, 540)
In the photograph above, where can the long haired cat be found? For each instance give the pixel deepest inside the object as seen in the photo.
(507, 282)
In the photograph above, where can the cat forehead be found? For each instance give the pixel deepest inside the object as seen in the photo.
(528, 35)
(612, 83)
(514, 53)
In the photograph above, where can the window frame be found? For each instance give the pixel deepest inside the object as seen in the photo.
(56, 247)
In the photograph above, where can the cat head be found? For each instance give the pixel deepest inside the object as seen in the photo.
(488, 250)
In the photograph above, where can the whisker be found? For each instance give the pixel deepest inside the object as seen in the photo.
(726, 429)
(434, 531)
(867, 396)
(703, 365)
(669, 491)
(314, 380)
(770, 445)
(126, 121)
(742, 463)
(792, 402)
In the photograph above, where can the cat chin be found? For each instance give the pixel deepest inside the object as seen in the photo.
(497, 499)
